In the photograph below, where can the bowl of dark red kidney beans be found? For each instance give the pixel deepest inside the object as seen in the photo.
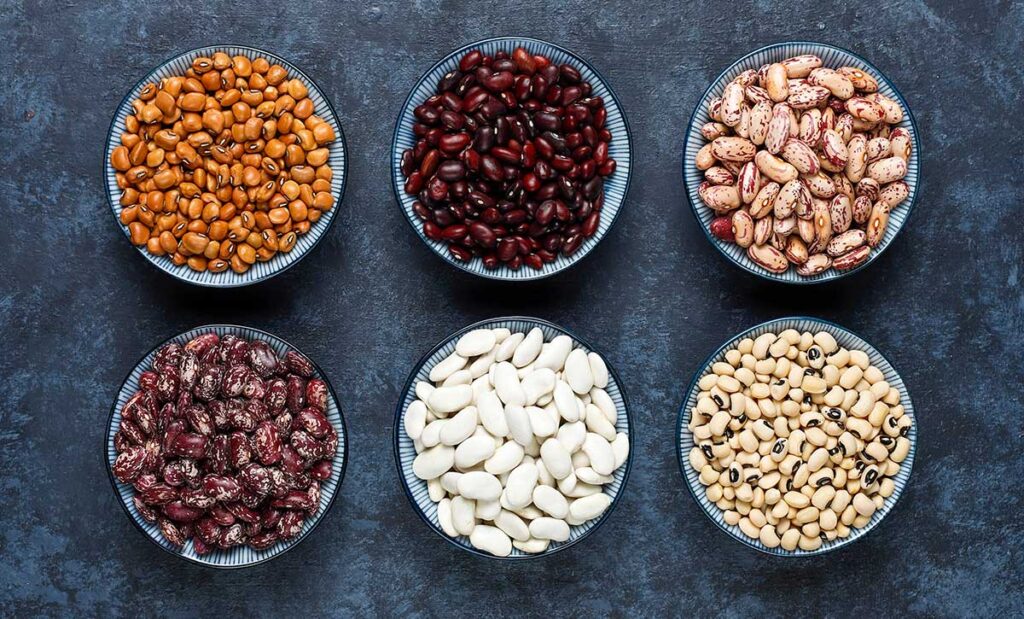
(511, 158)
(226, 446)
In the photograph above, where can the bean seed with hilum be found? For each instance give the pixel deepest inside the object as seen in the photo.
(224, 429)
(828, 138)
(514, 148)
(797, 439)
(515, 438)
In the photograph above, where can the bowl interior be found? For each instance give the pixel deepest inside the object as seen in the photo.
(405, 452)
(844, 338)
(338, 161)
(832, 57)
(239, 556)
(615, 186)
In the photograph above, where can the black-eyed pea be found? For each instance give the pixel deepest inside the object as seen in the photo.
(728, 384)
(886, 488)
(744, 494)
(878, 414)
(765, 366)
(708, 475)
(809, 543)
(713, 492)
(849, 399)
(811, 529)
(781, 427)
(902, 449)
(746, 346)
(860, 521)
(761, 345)
(707, 381)
(731, 517)
(813, 384)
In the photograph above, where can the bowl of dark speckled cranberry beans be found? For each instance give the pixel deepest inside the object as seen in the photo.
(226, 446)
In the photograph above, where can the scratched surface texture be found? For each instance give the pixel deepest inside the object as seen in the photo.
(78, 307)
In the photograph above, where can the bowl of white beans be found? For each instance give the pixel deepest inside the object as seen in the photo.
(513, 438)
(796, 437)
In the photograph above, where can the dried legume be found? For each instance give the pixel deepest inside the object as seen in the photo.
(510, 160)
(803, 165)
(796, 456)
(519, 433)
(226, 443)
(231, 151)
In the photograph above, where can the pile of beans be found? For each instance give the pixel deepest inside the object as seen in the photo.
(797, 439)
(223, 166)
(226, 443)
(518, 434)
(803, 165)
(510, 160)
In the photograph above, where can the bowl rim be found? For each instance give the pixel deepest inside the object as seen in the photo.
(108, 436)
(833, 273)
(682, 463)
(172, 270)
(399, 191)
(410, 384)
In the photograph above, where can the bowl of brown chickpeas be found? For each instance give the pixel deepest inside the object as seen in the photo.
(225, 165)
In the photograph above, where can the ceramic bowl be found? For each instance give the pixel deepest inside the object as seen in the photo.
(845, 338)
(238, 556)
(338, 160)
(620, 149)
(416, 489)
(832, 57)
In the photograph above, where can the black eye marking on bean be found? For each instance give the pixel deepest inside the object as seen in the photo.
(734, 475)
(729, 433)
(718, 400)
(742, 418)
(780, 446)
(789, 485)
(905, 431)
(834, 413)
(870, 476)
(707, 452)
(753, 478)
(813, 353)
(807, 399)
(892, 421)
(835, 450)
(859, 465)
(885, 440)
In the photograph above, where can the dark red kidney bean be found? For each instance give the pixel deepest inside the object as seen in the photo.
(454, 142)
(601, 152)
(482, 234)
(522, 88)
(452, 102)
(421, 211)
(607, 168)
(491, 169)
(490, 216)
(587, 170)
(414, 183)
(490, 261)
(572, 243)
(430, 162)
(437, 189)
(507, 249)
(470, 61)
(600, 115)
(408, 162)
(581, 153)
(427, 114)
(545, 212)
(449, 81)
(534, 261)
(453, 232)
(547, 256)
(590, 224)
(562, 163)
(452, 121)
(547, 121)
(516, 216)
(474, 99)
(460, 253)
(589, 136)
(569, 74)
(524, 61)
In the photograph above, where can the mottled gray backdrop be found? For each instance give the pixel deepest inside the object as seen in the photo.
(78, 307)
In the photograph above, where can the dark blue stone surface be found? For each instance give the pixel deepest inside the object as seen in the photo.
(78, 307)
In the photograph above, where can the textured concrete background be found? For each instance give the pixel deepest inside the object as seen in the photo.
(78, 306)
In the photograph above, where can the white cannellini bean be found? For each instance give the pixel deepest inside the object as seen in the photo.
(433, 462)
(556, 458)
(521, 482)
(600, 398)
(479, 485)
(589, 476)
(528, 350)
(476, 342)
(598, 370)
(444, 517)
(500, 334)
(462, 377)
(519, 425)
(491, 539)
(492, 414)
(481, 364)
(512, 525)
(505, 458)
(599, 424)
(460, 427)
(553, 355)
(538, 383)
(565, 401)
(446, 400)
(506, 383)
(532, 546)
(488, 510)
(541, 423)
(567, 485)
(432, 433)
(473, 450)
(423, 390)
(463, 515)
(577, 372)
(435, 490)
(553, 529)
(590, 507)
(544, 478)
(505, 350)
(450, 481)
(583, 489)
(550, 501)
(620, 448)
(602, 460)
(415, 419)
(447, 366)
(571, 436)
